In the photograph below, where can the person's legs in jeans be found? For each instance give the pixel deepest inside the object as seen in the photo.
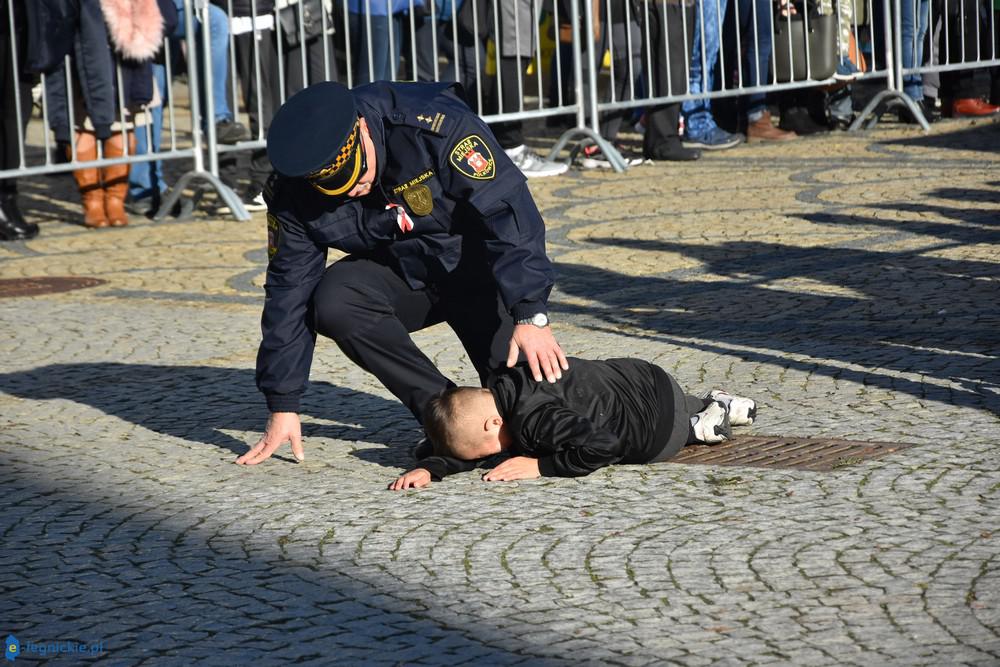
(757, 33)
(218, 32)
(707, 25)
(145, 179)
(913, 17)
(379, 68)
(218, 27)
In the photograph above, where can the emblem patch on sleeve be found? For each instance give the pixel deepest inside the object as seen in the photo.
(273, 229)
(472, 157)
(420, 199)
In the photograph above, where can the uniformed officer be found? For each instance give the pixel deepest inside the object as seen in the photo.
(438, 225)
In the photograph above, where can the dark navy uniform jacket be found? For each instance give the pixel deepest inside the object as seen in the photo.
(427, 141)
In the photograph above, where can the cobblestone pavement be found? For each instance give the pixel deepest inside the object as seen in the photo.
(849, 283)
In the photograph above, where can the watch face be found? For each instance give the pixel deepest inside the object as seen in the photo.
(540, 320)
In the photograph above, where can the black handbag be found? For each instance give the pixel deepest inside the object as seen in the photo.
(312, 21)
(792, 41)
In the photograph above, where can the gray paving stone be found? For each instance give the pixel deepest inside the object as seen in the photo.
(844, 281)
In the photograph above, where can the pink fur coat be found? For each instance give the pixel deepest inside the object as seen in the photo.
(135, 26)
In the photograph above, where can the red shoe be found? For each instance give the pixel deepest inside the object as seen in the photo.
(972, 106)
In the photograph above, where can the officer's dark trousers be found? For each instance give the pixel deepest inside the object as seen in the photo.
(370, 312)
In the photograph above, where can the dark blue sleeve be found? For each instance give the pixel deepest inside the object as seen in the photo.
(515, 240)
(295, 267)
(476, 171)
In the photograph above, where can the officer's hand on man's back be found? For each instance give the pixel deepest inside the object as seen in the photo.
(541, 351)
(282, 427)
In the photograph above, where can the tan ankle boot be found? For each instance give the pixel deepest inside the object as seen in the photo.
(115, 179)
(88, 181)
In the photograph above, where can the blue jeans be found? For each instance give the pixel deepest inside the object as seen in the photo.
(218, 31)
(756, 15)
(146, 178)
(383, 62)
(913, 19)
(698, 113)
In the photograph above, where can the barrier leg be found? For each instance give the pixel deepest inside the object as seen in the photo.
(893, 63)
(879, 103)
(225, 193)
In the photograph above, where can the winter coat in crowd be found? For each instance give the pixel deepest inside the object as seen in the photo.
(84, 29)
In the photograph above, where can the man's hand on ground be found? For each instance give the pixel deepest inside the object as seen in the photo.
(414, 479)
(518, 467)
(542, 352)
(282, 427)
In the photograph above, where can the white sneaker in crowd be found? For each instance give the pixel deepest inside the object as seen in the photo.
(252, 202)
(592, 157)
(255, 203)
(533, 165)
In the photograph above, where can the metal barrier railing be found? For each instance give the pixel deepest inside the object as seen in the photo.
(518, 60)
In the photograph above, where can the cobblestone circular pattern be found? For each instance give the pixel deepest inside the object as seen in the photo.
(848, 282)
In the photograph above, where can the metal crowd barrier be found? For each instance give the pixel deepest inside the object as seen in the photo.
(518, 60)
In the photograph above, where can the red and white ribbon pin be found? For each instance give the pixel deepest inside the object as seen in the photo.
(402, 218)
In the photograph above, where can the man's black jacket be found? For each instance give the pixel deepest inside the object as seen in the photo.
(599, 413)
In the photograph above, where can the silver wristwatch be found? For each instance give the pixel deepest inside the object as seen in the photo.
(540, 320)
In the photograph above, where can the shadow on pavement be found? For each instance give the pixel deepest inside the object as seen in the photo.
(897, 312)
(199, 403)
(980, 137)
(160, 580)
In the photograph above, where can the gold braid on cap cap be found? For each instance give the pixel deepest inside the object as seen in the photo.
(345, 153)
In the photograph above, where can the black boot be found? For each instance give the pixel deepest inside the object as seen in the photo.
(13, 226)
(661, 140)
(800, 121)
(672, 149)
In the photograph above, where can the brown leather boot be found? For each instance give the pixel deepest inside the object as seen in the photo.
(763, 130)
(972, 106)
(115, 179)
(88, 181)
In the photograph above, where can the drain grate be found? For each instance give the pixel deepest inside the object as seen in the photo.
(13, 287)
(821, 454)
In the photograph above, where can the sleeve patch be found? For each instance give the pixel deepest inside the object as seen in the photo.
(472, 157)
(273, 230)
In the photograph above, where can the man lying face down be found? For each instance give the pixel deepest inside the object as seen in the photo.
(600, 413)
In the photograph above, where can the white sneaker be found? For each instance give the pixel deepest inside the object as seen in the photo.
(592, 157)
(742, 411)
(251, 204)
(255, 203)
(533, 165)
(711, 425)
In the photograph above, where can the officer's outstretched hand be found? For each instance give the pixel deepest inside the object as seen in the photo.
(541, 351)
(282, 427)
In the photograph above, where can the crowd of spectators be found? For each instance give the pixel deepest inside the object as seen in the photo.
(509, 55)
